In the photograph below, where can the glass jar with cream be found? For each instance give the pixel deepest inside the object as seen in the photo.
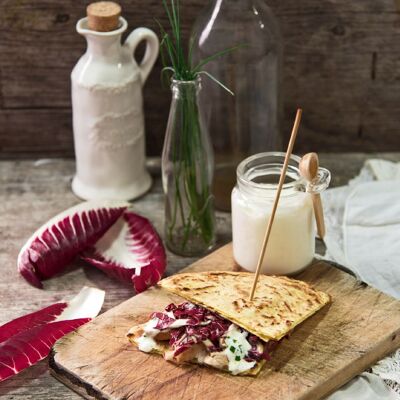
(291, 246)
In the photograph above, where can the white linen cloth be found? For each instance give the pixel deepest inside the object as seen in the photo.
(363, 234)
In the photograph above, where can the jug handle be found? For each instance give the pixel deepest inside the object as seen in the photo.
(151, 53)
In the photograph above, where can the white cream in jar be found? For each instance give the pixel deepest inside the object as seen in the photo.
(291, 245)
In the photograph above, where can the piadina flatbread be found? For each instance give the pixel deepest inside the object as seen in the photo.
(279, 304)
(218, 326)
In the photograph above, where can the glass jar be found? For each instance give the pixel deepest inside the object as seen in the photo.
(291, 246)
(187, 168)
(248, 122)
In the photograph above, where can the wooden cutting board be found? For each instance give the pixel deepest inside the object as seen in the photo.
(361, 326)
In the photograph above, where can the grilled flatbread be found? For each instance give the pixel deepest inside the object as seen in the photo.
(279, 304)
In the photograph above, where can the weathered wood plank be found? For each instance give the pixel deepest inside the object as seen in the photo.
(342, 128)
(36, 132)
(18, 91)
(359, 27)
(43, 33)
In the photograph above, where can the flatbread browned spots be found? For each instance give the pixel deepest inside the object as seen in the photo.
(280, 303)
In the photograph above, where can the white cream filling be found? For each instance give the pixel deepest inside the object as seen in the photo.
(237, 348)
(146, 342)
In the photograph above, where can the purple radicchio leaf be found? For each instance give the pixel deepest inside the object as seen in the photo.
(28, 339)
(41, 317)
(28, 347)
(201, 325)
(131, 251)
(54, 245)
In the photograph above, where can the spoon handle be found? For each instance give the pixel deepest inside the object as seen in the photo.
(319, 215)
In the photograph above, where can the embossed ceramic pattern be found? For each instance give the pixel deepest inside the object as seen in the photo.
(108, 114)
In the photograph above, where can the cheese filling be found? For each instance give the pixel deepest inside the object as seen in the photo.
(146, 342)
(237, 348)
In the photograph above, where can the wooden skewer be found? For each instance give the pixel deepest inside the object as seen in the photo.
(277, 197)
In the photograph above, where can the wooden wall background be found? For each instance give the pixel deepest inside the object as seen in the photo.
(342, 65)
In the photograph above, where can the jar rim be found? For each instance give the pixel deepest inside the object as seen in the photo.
(269, 163)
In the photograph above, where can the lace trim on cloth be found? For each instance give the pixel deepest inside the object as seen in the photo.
(388, 369)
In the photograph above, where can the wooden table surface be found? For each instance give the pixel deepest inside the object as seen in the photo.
(33, 191)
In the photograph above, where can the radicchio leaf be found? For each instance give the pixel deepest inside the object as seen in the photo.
(201, 325)
(28, 339)
(28, 347)
(130, 251)
(86, 304)
(41, 317)
(54, 245)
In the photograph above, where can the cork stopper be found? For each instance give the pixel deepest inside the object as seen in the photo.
(103, 16)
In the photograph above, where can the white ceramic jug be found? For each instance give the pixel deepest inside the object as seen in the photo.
(108, 116)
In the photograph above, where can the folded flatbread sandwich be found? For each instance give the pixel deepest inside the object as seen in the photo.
(219, 326)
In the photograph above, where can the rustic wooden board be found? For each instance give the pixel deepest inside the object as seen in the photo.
(326, 351)
(341, 65)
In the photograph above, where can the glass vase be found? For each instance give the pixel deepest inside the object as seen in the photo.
(248, 122)
(187, 170)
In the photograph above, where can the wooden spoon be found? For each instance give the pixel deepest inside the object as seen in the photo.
(309, 165)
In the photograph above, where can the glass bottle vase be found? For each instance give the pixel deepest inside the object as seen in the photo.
(187, 169)
(248, 122)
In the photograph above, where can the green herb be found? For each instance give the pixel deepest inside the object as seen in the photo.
(232, 349)
(237, 358)
(193, 201)
(180, 62)
(234, 340)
